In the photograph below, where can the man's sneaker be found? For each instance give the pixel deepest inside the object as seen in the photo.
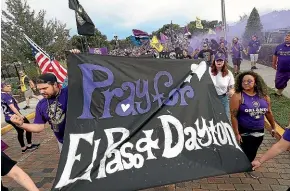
(33, 147)
(26, 107)
(255, 67)
(24, 150)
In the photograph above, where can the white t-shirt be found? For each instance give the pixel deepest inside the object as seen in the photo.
(222, 83)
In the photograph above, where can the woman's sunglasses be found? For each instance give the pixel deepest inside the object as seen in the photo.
(248, 81)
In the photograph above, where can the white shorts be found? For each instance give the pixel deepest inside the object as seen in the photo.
(59, 146)
(28, 93)
(254, 57)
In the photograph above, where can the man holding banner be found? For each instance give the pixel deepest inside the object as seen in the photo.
(51, 109)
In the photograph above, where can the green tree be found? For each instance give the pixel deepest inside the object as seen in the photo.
(165, 29)
(19, 18)
(254, 26)
(96, 41)
(206, 26)
(191, 27)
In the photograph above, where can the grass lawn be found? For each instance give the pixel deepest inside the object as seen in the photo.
(280, 107)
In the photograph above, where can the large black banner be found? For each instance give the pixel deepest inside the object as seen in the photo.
(139, 123)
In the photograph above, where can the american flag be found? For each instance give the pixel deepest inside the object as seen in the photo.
(46, 63)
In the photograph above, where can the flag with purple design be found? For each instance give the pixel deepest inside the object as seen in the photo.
(102, 51)
(163, 38)
(139, 33)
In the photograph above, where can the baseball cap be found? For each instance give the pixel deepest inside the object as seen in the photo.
(3, 84)
(219, 56)
(46, 78)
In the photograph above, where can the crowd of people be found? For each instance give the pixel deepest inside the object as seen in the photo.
(245, 100)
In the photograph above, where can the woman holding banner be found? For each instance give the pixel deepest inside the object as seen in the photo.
(249, 106)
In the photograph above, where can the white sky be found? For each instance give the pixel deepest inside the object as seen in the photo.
(128, 14)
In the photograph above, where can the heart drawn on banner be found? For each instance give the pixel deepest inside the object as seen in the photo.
(125, 107)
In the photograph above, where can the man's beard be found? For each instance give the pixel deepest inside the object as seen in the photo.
(54, 94)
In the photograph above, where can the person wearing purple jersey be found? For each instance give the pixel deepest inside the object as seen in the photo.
(222, 40)
(281, 63)
(254, 47)
(237, 54)
(249, 106)
(10, 107)
(51, 109)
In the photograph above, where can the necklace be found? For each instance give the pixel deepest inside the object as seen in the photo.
(51, 114)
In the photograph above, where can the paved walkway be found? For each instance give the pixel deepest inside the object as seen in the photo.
(41, 165)
(267, 73)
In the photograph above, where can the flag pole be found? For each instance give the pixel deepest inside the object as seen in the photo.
(82, 44)
(86, 44)
(32, 42)
(171, 32)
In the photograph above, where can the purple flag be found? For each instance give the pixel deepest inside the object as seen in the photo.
(163, 38)
(102, 51)
(138, 33)
(186, 31)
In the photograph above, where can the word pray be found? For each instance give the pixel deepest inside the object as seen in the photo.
(139, 89)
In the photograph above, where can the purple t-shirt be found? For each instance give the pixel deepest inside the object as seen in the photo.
(283, 53)
(224, 41)
(286, 135)
(6, 100)
(252, 112)
(53, 111)
(254, 47)
(237, 50)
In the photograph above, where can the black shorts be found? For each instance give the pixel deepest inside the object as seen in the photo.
(237, 61)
